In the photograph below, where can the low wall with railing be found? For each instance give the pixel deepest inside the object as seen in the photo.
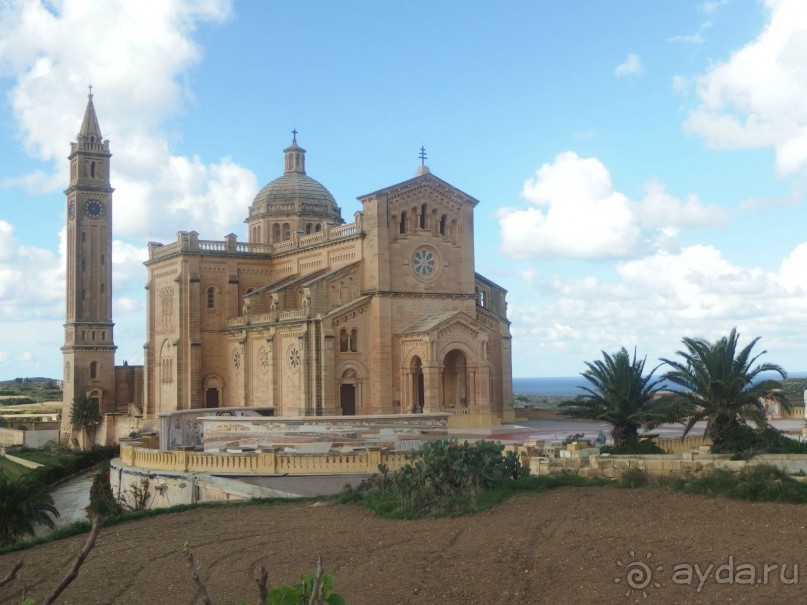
(264, 462)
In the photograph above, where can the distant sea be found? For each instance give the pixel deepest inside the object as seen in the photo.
(567, 386)
(559, 386)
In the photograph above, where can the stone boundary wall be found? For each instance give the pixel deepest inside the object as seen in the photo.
(684, 466)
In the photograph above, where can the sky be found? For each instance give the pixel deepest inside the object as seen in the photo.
(641, 166)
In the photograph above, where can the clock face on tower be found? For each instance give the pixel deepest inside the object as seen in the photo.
(94, 209)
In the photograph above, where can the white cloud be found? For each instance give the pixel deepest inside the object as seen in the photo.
(53, 50)
(697, 38)
(711, 6)
(758, 97)
(577, 213)
(654, 301)
(631, 66)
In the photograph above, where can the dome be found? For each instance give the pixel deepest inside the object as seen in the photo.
(295, 194)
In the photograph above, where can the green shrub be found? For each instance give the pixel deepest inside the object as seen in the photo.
(443, 477)
(633, 477)
(102, 500)
(641, 447)
(759, 483)
(746, 442)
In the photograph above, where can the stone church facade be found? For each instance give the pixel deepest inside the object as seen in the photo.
(310, 316)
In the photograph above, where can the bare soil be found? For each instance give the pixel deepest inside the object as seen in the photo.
(566, 546)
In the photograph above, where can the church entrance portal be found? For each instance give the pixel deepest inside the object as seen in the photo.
(455, 380)
(347, 393)
(347, 399)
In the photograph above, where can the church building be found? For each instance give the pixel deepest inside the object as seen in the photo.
(309, 316)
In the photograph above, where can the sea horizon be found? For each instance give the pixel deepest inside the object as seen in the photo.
(568, 386)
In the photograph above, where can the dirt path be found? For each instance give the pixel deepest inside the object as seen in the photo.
(559, 547)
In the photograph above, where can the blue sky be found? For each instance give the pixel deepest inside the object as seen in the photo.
(640, 165)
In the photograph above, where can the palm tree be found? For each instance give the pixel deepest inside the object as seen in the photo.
(24, 503)
(620, 394)
(721, 386)
(85, 416)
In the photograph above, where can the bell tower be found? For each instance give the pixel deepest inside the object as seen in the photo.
(89, 346)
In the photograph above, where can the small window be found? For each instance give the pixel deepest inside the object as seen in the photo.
(103, 259)
(423, 216)
(402, 225)
(443, 224)
(308, 228)
(286, 232)
(344, 346)
(93, 370)
(276, 232)
(83, 236)
(317, 228)
(92, 169)
(211, 297)
(103, 288)
(354, 339)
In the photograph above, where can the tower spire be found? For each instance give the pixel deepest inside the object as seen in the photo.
(90, 127)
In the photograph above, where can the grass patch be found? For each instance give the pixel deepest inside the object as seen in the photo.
(762, 483)
(11, 469)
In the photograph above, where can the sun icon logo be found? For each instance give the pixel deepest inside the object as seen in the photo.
(638, 574)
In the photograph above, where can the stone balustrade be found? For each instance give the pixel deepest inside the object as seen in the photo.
(264, 462)
(190, 242)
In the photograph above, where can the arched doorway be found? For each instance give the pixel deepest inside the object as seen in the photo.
(347, 393)
(213, 388)
(455, 380)
(418, 390)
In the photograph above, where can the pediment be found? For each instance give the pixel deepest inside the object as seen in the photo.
(426, 186)
(443, 326)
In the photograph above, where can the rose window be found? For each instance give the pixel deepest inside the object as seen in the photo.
(294, 358)
(423, 262)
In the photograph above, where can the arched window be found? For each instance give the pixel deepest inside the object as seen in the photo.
(317, 228)
(402, 225)
(308, 228)
(344, 346)
(286, 232)
(211, 297)
(92, 169)
(443, 224)
(423, 216)
(481, 298)
(354, 340)
(276, 232)
(93, 370)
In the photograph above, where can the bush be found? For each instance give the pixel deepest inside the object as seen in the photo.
(74, 462)
(759, 483)
(745, 442)
(641, 447)
(633, 477)
(102, 500)
(443, 477)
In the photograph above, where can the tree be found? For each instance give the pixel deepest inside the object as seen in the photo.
(24, 503)
(720, 385)
(85, 415)
(620, 394)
